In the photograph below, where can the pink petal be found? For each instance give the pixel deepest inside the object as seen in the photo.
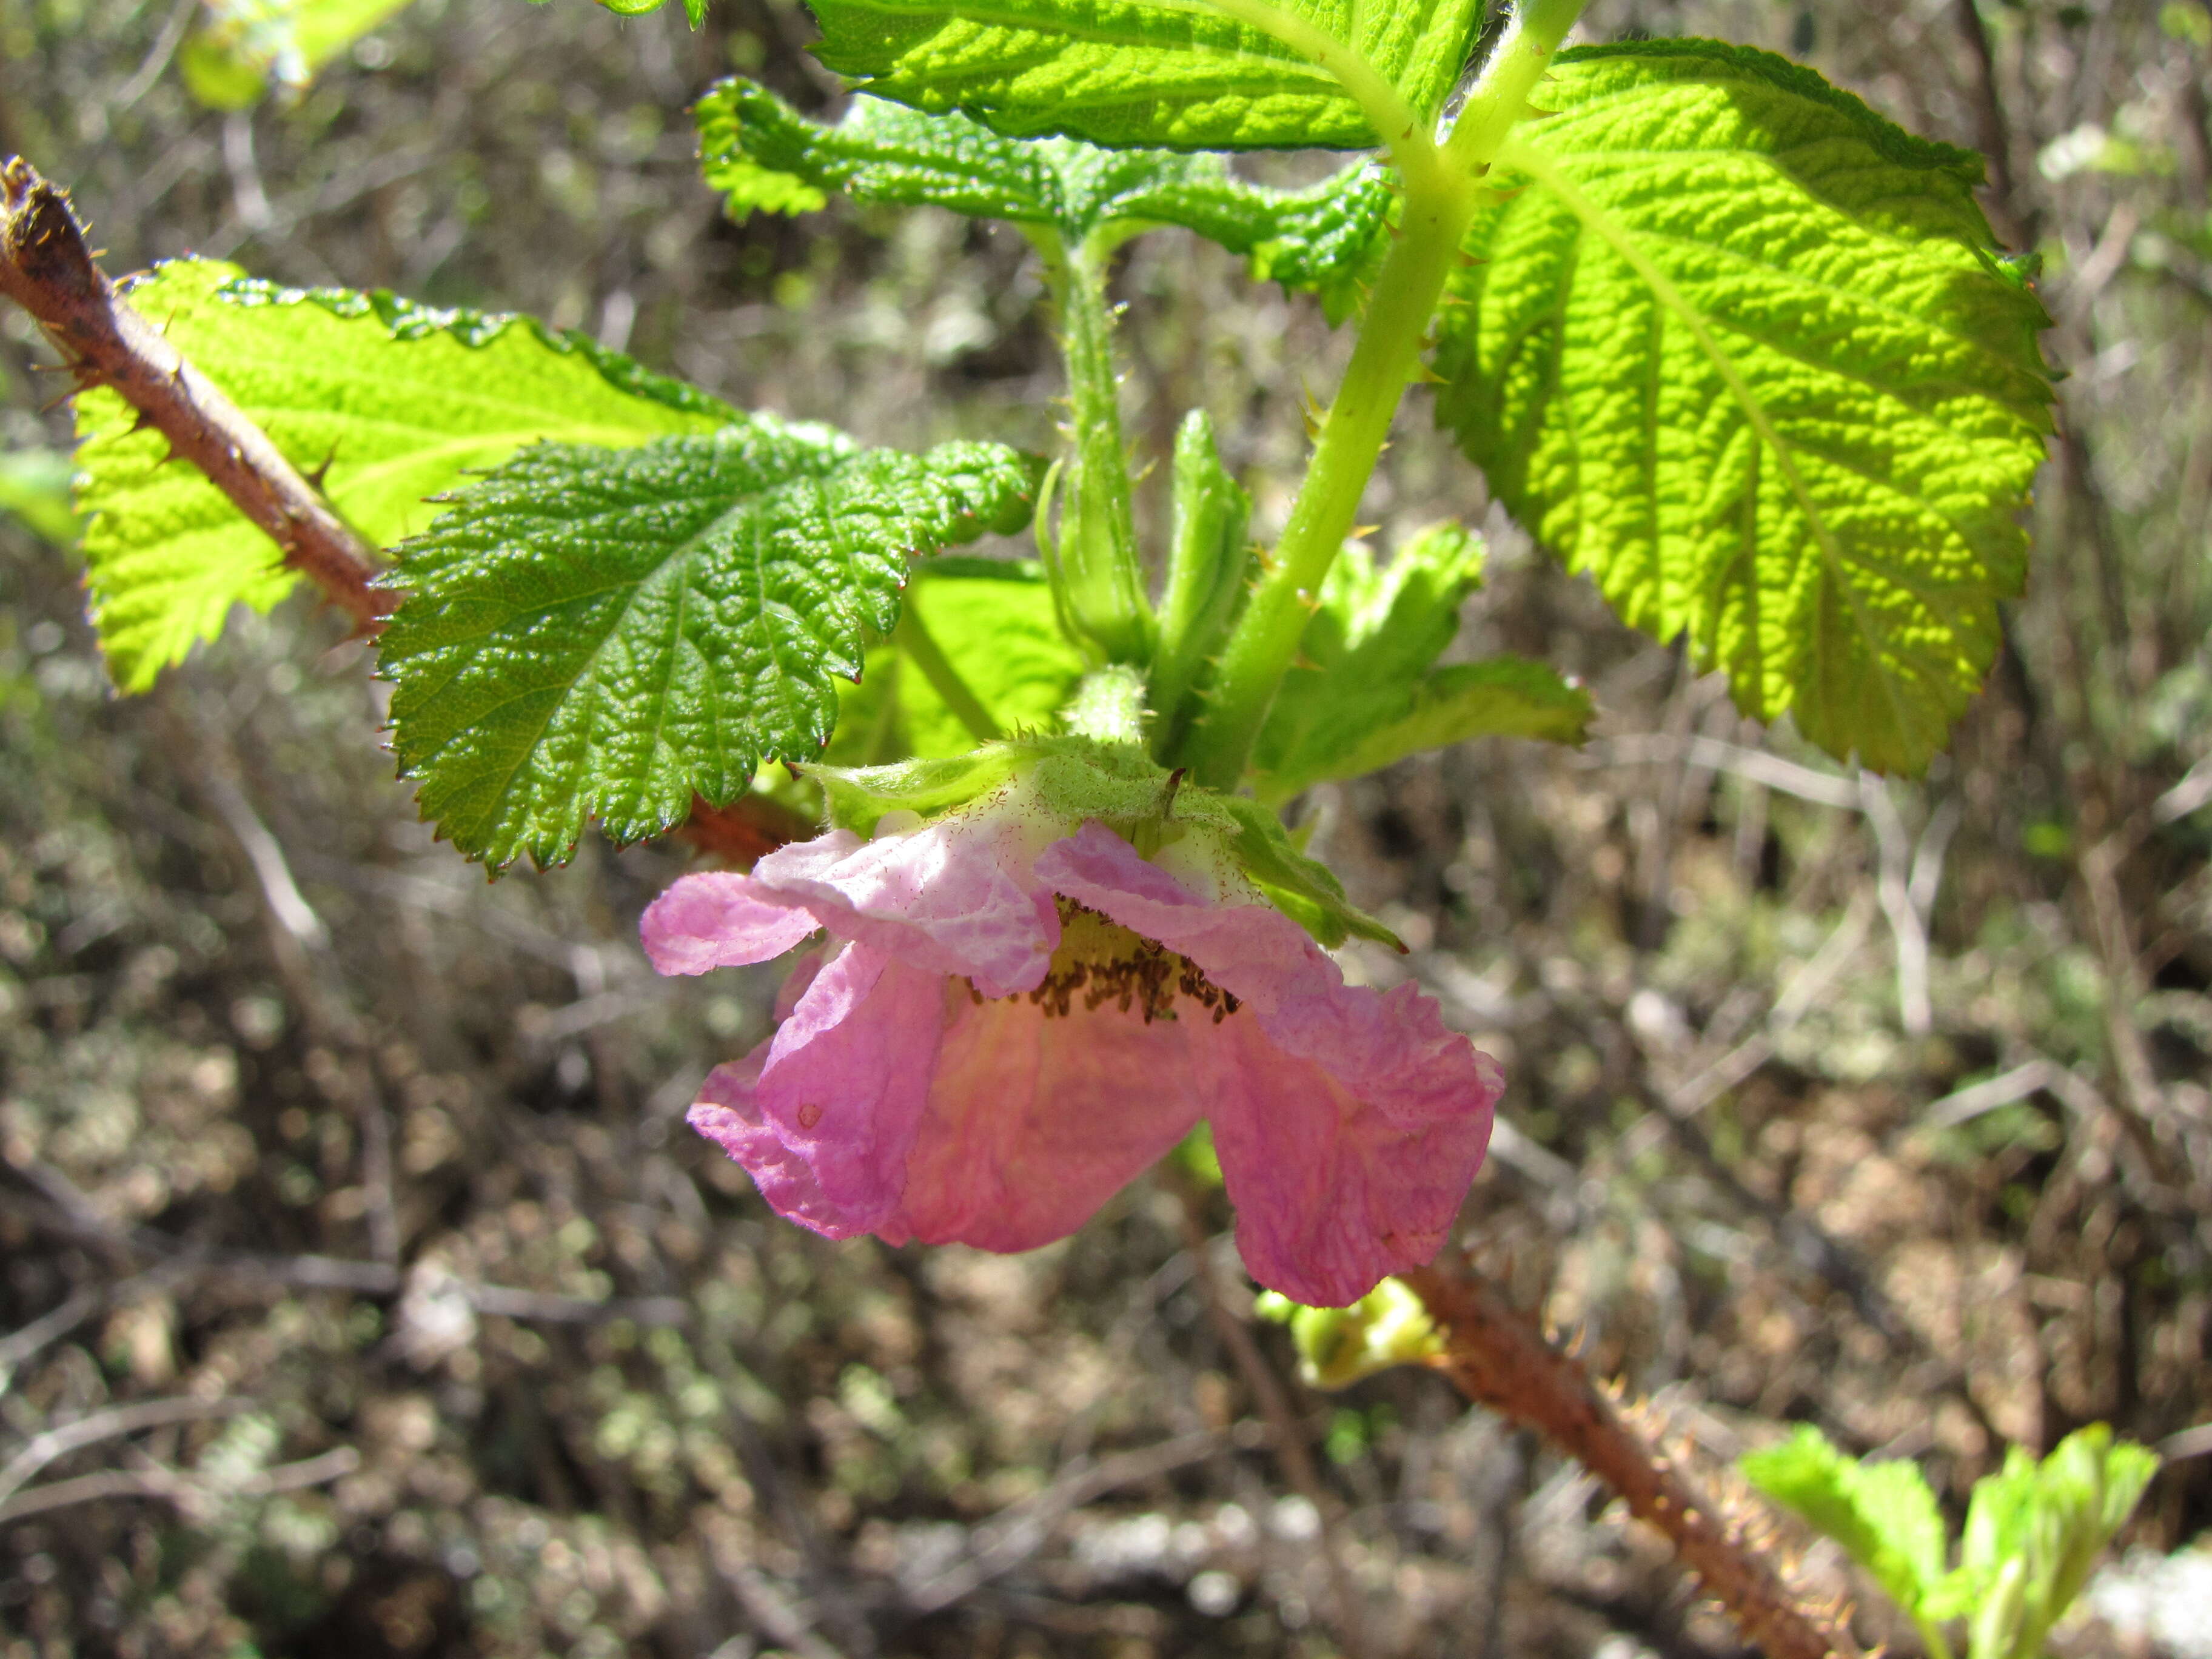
(727, 1114)
(820, 1115)
(1349, 1123)
(1341, 1182)
(1253, 949)
(954, 897)
(719, 919)
(1033, 1123)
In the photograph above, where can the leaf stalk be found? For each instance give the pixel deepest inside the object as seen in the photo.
(1440, 203)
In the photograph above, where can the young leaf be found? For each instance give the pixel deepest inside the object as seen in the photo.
(596, 632)
(245, 46)
(1363, 693)
(1126, 72)
(994, 620)
(1746, 353)
(389, 402)
(1883, 1514)
(761, 153)
(2034, 1533)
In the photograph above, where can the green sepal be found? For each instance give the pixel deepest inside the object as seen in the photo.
(1304, 888)
(1120, 72)
(859, 796)
(599, 632)
(762, 155)
(1209, 562)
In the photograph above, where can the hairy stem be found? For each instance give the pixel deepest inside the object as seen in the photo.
(1499, 1359)
(46, 268)
(1439, 204)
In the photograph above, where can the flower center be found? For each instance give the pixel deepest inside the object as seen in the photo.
(1101, 962)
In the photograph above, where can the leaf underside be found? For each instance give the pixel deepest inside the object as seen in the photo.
(397, 400)
(1746, 354)
(1124, 72)
(601, 633)
(761, 153)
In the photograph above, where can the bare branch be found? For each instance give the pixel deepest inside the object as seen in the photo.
(46, 268)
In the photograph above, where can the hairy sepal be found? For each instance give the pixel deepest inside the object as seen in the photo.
(1364, 692)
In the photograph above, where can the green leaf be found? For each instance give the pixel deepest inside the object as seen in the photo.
(397, 400)
(1363, 695)
(1883, 1514)
(994, 620)
(1504, 696)
(34, 485)
(602, 633)
(1746, 354)
(2035, 1532)
(1126, 72)
(245, 46)
(761, 153)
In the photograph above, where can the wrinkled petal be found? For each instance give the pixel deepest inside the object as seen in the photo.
(1349, 1123)
(954, 897)
(1340, 1182)
(845, 1080)
(719, 919)
(1033, 1123)
(727, 1114)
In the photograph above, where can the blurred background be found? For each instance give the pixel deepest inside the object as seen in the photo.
(362, 1293)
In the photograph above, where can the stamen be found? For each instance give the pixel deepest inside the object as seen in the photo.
(1103, 962)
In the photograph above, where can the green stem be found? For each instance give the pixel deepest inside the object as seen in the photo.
(924, 651)
(1098, 574)
(1438, 209)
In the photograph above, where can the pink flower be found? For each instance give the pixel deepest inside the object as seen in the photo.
(1008, 1023)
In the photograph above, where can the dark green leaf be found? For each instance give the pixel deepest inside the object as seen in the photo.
(600, 633)
(761, 153)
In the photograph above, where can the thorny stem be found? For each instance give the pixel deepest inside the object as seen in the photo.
(46, 268)
(1499, 1359)
(1440, 203)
